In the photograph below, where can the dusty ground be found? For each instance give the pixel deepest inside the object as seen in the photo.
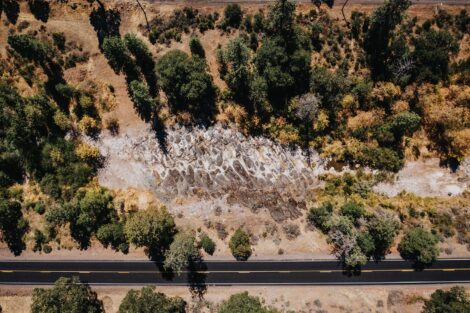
(387, 299)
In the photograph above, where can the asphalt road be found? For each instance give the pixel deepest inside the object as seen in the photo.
(233, 273)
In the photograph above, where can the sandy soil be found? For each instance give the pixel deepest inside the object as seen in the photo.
(331, 299)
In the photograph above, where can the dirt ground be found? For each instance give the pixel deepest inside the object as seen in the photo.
(330, 299)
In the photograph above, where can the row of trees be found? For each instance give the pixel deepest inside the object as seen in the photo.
(69, 295)
(358, 235)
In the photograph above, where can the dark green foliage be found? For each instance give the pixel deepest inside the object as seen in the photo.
(379, 158)
(353, 210)
(331, 87)
(11, 167)
(86, 213)
(321, 216)
(40, 207)
(207, 244)
(113, 235)
(29, 47)
(405, 123)
(232, 16)
(366, 242)
(11, 8)
(419, 246)
(197, 50)
(39, 240)
(259, 22)
(378, 37)
(106, 22)
(147, 300)
(432, 54)
(144, 59)
(40, 9)
(244, 303)
(234, 69)
(12, 225)
(67, 295)
(357, 24)
(115, 50)
(240, 245)
(59, 40)
(455, 300)
(182, 20)
(462, 21)
(144, 104)
(187, 84)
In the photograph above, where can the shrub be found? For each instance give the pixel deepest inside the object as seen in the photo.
(197, 50)
(419, 246)
(232, 16)
(353, 210)
(40, 207)
(455, 300)
(207, 244)
(321, 216)
(240, 245)
(59, 40)
(146, 300)
(243, 302)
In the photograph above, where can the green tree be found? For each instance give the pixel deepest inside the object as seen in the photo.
(144, 59)
(432, 53)
(240, 245)
(244, 303)
(144, 103)
(117, 54)
(232, 16)
(234, 68)
(405, 123)
(321, 216)
(383, 229)
(456, 300)
(12, 225)
(353, 210)
(29, 47)
(187, 84)
(182, 252)
(207, 244)
(113, 235)
(419, 246)
(68, 295)
(152, 229)
(197, 50)
(147, 300)
(379, 35)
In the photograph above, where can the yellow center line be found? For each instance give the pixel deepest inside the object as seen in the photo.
(240, 272)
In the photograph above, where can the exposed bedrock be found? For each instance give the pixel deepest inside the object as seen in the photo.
(221, 168)
(214, 163)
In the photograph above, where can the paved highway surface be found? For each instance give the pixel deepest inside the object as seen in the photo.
(234, 273)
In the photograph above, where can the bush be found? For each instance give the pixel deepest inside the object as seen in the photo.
(419, 246)
(207, 244)
(232, 16)
(40, 207)
(243, 302)
(321, 216)
(59, 40)
(67, 295)
(353, 210)
(240, 245)
(146, 300)
(380, 158)
(456, 300)
(113, 234)
(197, 50)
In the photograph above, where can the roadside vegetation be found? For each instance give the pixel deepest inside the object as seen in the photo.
(369, 93)
(69, 295)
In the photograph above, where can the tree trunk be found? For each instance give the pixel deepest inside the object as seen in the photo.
(145, 15)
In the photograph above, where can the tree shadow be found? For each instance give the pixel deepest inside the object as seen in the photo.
(105, 22)
(11, 9)
(160, 133)
(40, 9)
(197, 278)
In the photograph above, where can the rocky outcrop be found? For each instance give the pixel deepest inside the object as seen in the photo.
(215, 163)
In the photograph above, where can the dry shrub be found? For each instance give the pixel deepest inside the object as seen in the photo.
(87, 152)
(460, 142)
(400, 106)
(232, 114)
(366, 119)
